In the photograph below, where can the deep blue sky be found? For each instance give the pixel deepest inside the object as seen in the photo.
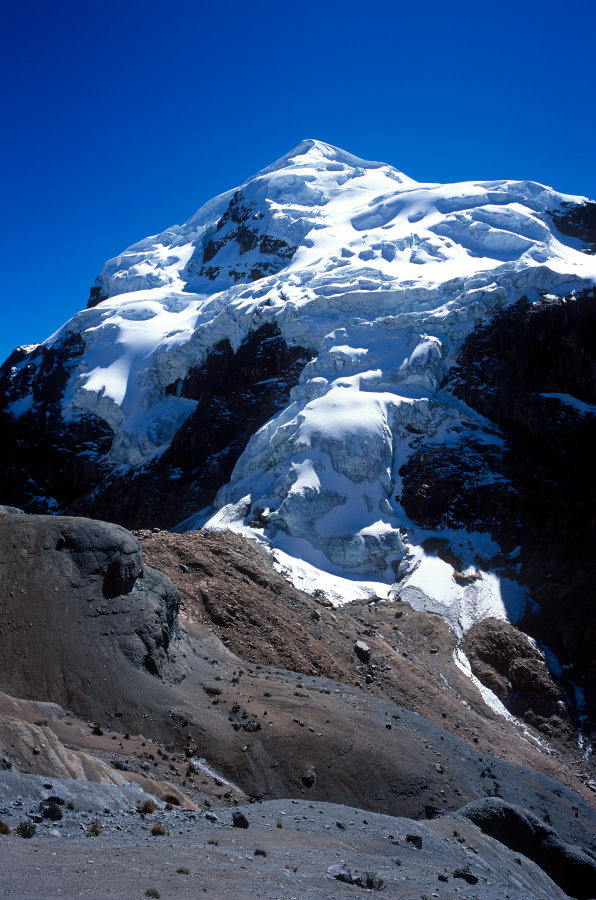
(121, 118)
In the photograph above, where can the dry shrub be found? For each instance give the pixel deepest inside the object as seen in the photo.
(26, 828)
(147, 807)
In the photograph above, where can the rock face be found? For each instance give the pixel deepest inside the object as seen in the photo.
(505, 661)
(232, 393)
(239, 226)
(520, 830)
(532, 372)
(47, 460)
(69, 584)
(578, 220)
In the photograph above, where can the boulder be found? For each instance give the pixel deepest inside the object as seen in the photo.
(523, 832)
(79, 605)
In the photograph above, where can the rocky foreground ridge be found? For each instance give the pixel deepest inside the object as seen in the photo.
(222, 683)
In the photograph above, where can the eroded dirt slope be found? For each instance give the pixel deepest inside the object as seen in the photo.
(228, 585)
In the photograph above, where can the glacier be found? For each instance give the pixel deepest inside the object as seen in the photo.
(382, 278)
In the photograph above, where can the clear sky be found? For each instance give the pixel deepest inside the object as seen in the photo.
(121, 118)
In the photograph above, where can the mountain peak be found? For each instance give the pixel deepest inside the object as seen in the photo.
(314, 150)
(373, 280)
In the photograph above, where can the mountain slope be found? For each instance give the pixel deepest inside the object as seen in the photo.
(314, 357)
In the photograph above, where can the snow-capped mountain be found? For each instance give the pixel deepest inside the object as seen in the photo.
(329, 357)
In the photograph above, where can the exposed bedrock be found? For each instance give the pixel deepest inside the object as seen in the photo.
(539, 490)
(236, 392)
(504, 660)
(81, 616)
(522, 831)
(578, 220)
(46, 461)
(240, 226)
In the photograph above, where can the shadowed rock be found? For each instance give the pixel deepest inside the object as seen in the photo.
(520, 830)
(68, 585)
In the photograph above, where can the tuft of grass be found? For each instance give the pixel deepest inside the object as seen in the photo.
(26, 828)
(152, 892)
(213, 841)
(182, 870)
(260, 852)
(94, 830)
(372, 881)
(169, 807)
(4, 829)
(70, 805)
(147, 807)
(157, 829)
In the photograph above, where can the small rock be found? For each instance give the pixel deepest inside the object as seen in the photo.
(362, 651)
(466, 875)
(309, 778)
(414, 839)
(239, 820)
(211, 817)
(339, 872)
(50, 811)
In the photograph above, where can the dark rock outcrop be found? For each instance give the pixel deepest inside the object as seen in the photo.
(96, 294)
(68, 585)
(46, 461)
(505, 661)
(241, 225)
(578, 220)
(535, 487)
(236, 393)
(522, 831)
(50, 463)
